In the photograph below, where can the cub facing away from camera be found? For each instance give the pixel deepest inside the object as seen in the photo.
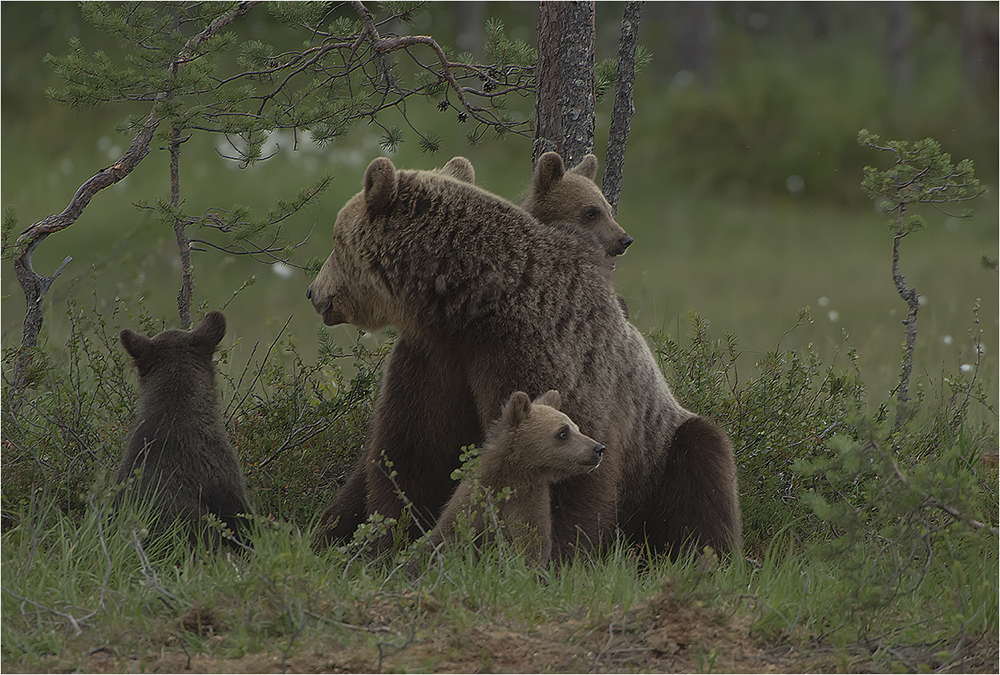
(188, 467)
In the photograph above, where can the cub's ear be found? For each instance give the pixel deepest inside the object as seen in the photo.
(137, 346)
(550, 398)
(549, 171)
(517, 410)
(461, 169)
(586, 168)
(380, 185)
(210, 331)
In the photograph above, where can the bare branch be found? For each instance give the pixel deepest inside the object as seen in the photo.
(34, 285)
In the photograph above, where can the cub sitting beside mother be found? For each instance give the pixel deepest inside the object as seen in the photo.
(529, 447)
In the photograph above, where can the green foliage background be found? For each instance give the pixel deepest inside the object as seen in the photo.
(744, 196)
(704, 193)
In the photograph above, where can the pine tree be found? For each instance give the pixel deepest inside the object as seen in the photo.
(921, 174)
(189, 63)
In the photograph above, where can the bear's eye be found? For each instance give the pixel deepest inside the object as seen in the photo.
(591, 213)
(563, 433)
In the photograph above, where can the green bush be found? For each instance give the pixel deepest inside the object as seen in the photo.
(296, 427)
(779, 415)
(878, 541)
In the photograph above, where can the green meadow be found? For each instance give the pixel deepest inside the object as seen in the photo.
(760, 273)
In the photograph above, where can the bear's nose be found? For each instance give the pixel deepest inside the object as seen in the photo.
(309, 293)
(625, 241)
(599, 450)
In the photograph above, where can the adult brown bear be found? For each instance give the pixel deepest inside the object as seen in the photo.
(424, 400)
(511, 305)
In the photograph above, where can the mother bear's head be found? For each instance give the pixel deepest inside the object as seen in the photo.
(348, 288)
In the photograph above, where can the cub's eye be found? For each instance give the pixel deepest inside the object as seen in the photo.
(563, 433)
(591, 213)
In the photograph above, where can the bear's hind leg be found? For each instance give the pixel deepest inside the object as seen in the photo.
(696, 502)
(423, 417)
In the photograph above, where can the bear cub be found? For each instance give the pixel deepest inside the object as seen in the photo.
(179, 442)
(571, 200)
(529, 447)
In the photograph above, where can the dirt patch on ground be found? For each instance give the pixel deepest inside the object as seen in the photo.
(669, 633)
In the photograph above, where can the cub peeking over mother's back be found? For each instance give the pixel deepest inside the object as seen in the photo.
(571, 201)
(179, 442)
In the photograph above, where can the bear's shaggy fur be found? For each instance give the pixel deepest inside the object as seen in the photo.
(179, 442)
(423, 403)
(510, 305)
(529, 447)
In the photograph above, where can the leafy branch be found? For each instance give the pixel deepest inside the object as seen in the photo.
(920, 174)
(346, 72)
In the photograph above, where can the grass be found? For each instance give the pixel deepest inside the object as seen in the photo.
(88, 595)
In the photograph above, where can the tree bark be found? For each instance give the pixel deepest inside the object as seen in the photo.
(564, 76)
(621, 114)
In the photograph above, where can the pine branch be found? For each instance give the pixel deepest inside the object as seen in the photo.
(34, 285)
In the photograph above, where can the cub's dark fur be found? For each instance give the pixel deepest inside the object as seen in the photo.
(187, 465)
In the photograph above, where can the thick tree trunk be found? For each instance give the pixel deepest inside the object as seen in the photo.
(564, 75)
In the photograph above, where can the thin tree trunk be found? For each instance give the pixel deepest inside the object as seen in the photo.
(186, 295)
(912, 301)
(564, 96)
(621, 115)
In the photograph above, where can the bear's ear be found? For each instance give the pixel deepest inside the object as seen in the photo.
(549, 171)
(137, 346)
(210, 331)
(517, 410)
(550, 398)
(380, 185)
(461, 169)
(586, 168)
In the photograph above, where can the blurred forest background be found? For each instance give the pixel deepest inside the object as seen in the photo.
(741, 182)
